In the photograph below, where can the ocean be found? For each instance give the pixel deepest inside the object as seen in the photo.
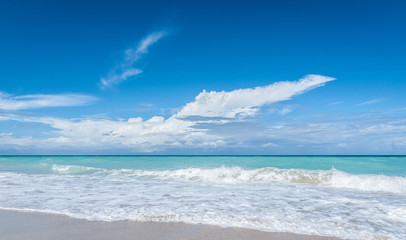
(352, 197)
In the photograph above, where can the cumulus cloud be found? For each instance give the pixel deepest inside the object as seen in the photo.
(210, 122)
(136, 134)
(9, 102)
(125, 69)
(189, 127)
(246, 102)
(360, 134)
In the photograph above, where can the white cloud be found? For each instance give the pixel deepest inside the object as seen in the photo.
(269, 144)
(8, 102)
(281, 111)
(125, 68)
(246, 102)
(342, 145)
(133, 54)
(4, 118)
(6, 134)
(376, 100)
(8, 141)
(285, 111)
(117, 78)
(334, 103)
(358, 135)
(139, 135)
(188, 128)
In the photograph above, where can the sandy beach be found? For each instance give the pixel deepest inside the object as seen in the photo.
(18, 225)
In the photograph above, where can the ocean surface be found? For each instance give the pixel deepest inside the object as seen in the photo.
(352, 197)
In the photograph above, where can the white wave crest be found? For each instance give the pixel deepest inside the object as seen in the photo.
(236, 175)
(73, 169)
(368, 182)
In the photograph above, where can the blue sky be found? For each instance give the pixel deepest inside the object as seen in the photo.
(207, 77)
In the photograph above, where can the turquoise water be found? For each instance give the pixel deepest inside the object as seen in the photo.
(387, 165)
(352, 197)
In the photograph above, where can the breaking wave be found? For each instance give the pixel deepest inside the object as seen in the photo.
(73, 169)
(269, 175)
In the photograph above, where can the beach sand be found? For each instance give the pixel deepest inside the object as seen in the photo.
(19, 225)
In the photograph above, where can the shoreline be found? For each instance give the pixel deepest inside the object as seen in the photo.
(19, 225)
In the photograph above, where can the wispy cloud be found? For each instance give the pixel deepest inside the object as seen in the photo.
(134, 54)
(285, 111)
(376, 100)
(269, 144)
(335, 103)
(246, 102)
(126, 69)
(9, 102)
(281, 111)
(116, 78)
(6, 134)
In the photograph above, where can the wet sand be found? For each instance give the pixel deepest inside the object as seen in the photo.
(19, 225)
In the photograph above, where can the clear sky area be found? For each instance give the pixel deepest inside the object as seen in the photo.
(203, 77)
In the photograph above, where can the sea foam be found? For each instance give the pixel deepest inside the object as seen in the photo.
(322, 202)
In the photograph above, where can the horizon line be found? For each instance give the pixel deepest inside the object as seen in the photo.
(201, 155)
